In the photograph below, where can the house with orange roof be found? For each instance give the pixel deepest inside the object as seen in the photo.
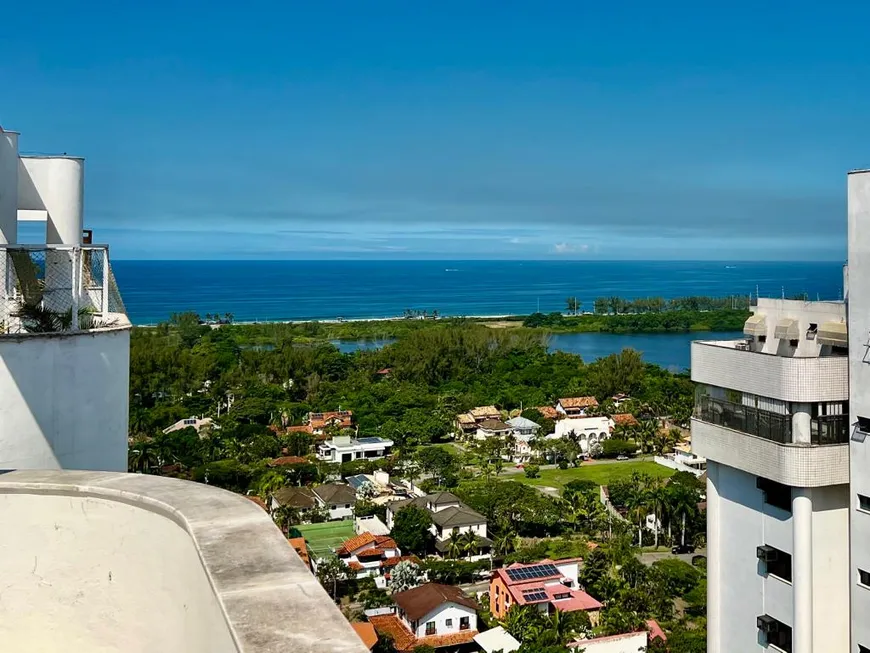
(301, 547)
(287, 460)
(575, 406)
(319, 422)
(549, 585)
(367, 554)
(366, 633)
(436, 615)
(467, 423)
(549, 412)
(624, 419)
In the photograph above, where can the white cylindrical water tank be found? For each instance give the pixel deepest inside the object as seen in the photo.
(8, 188)
(64, 201)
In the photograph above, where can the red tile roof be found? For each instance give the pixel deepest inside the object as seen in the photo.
(344, 418)
(579, 600)
(373, 552)
(356, 542)
(298, 543)
(624, 419)
(366, 633)
(392, 562)
(386, 542)
(305, 428)
(453, 639)
(354, 565)
(655, 631)
(548, 412)
(404, 640)
(287, 460)
(258, 501)
(578, 402)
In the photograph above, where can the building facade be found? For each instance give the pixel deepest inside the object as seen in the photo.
(64, 334)
(345, 449)
(772, 419)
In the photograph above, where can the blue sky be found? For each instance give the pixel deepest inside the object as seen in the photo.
(516, 130)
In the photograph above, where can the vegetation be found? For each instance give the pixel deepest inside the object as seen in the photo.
(411, 529)
(640, 322)
(597, 473)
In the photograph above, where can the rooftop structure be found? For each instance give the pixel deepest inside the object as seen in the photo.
(102, 561)
(345, 449)
(64, 334)
(575, 406)
(198, 423)
(319, 422)
(549, 585)
(468, 422)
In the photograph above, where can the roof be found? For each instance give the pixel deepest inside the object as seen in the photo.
(258, 501)
(319, 420)
(366, 633)
(357, 481)
(440, 498)
(335, 493)
(578, 402)
(453, 639)
(579, 600)
(497, 639)
(624, 419)
(420, 601)
(298, 543)
(465, 418)
(655, 631)
(287, 460)
(457, 516)
(548, 412)
(305, 428)
(364, 539)
(295, 497)
(636, 637)
(523, 423)
(493, 425)
(392, 626)
(392, 562)
(483, 411)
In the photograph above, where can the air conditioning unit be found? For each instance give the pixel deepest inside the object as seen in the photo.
(742, 346)
(767, 624)
(766, 553)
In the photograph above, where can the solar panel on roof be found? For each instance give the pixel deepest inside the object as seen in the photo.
(533, 571)
(535, 595)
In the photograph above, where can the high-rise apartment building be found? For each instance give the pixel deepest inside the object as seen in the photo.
(782, 417)
(64, 335)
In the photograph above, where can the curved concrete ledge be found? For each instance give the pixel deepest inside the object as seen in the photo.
(120, 323)
(269, 599)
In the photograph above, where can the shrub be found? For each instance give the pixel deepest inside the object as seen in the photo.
(532, 471)
(563, 464)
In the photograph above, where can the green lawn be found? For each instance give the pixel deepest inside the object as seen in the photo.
(600, 473)
(324, 537)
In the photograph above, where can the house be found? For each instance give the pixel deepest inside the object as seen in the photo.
(492, 428)
(337, 498)
(624, 419)
(620, 399)
(448, 514)
(283, 461)
(575, 406)
(549, 412)
(301, 547)
(433, 615)
(466, 423)
(523, 451)
(549, 585)
(201, 425)
(624, 643)
(319, 422)
(300, 498)
(366, 633)
(496, 639)
(589, 432)
(365, 554)
(345, 449)
(523, 426)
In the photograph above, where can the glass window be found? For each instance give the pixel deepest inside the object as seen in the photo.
(864, 577)
(777, 563)
(430, 627)
(864, 502)
(448, 623)
(775, 494)
(463, 623)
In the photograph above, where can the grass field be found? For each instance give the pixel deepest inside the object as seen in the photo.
(322, 538)
(600, 473)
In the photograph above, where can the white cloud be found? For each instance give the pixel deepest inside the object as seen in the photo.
(569, 248)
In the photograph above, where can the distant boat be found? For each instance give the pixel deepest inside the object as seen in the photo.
(730, 267)
(451, 270)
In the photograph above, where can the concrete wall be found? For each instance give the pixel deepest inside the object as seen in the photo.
(64, 400)
(859, 400)
(8, 188)
(831, 569)
(628, 643)
(86, 576)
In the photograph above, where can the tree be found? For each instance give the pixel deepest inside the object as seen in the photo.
(366, 491)
(285, 517)
(330, 572)
(437, 462)
(454, 544)
(468, 540)
(411, 529)
(142, 456)
(682, 501)
(270, 482)
(573, 305)
(405, 575)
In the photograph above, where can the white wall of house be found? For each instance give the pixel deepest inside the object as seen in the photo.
(585, 429)
(477, 529)
(444, 613)
(628, 643)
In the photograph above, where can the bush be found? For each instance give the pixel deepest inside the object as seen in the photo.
(532, 471)
(613, 447)
(678, 577)
(563, 464)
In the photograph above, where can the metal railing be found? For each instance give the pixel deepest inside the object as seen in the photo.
(52, 288)
(754, 421)
(830, 429)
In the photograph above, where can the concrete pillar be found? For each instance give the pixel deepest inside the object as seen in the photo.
(8, 188)
(802, 570)
(714, 572)
(801, 423)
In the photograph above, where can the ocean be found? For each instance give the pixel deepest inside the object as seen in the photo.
(310, 290)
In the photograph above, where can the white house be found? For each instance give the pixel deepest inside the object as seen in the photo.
(370, 555)
(492, 428)
(587, 431)
(433, 614)
(448, 514)
(337, 498)
(200, 424)
(575, 406)
(344, 449)
(523, 426)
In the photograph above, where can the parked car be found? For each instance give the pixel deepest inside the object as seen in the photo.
(622, 457)
(682, 548)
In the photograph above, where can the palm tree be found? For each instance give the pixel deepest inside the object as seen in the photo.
(658, 498)
(269, 483)
(285, 517)
(505, 543)
(454, 544)
(142, 456)
(636, 502)
(683, 501)
(469, 542)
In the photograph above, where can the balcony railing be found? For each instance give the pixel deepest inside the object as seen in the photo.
(830, 429)
(754, 421)
(50, 288)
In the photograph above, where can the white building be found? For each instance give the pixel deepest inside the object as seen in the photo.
(492, 428)
(368, 555)
(64, 335)
(345, 449)
(200, 424)
(771, 418)
(426, 614)
(589, 432)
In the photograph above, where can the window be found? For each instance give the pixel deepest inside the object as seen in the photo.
(776, 563)
(762, 339)
(792, 343)
(464, 623)
(863, 649)
(864, 424)
(812, 331)
(863, 503)
(430, 627)
(347, 505)
(775, 494)
(775, 632)
(864, 577)
(448, 623)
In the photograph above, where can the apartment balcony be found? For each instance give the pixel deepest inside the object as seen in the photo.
(730, 364)
(764, 443)
(102, 561)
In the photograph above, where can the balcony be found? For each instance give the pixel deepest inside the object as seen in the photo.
(761, 423)
(725, 364)
(102, 561)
